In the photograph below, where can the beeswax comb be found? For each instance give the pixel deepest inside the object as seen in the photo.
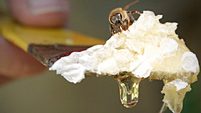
(47, 45)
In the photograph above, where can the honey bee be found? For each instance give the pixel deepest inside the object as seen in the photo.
(120, 19)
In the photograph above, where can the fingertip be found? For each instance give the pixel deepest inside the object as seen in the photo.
(40, 13)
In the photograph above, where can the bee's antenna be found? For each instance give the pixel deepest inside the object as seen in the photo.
(130, 4)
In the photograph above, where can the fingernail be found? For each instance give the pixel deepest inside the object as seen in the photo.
(38, 7)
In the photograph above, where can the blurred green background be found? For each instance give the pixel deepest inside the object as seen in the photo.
(50, 93)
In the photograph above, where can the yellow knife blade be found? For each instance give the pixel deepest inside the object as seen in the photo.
(45, 44)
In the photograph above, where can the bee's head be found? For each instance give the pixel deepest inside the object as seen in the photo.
(120, 19)
(118, 16)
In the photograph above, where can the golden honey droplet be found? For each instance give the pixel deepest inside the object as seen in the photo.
(129, 90)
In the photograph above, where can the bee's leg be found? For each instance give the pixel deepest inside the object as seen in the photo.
(132, 15)
(115, 29)
(135, 12)
(125, 25)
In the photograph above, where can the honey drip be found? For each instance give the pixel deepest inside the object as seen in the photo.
(129, 90)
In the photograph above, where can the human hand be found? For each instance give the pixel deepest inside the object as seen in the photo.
(14, 62)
